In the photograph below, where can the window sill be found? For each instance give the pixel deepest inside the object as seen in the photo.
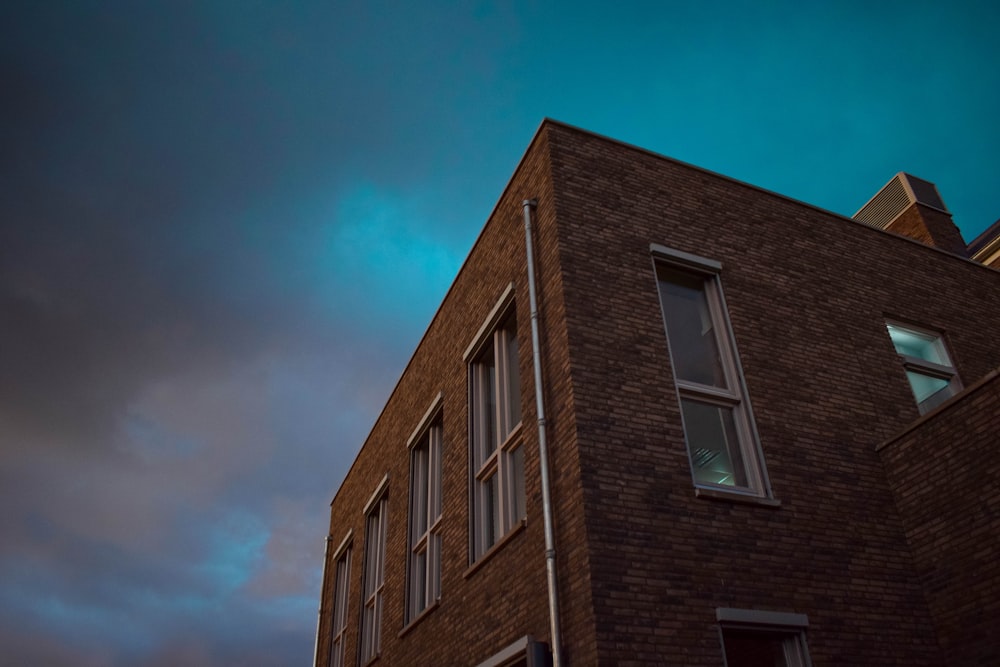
(734, 497)
(419, 617)
(515, 531)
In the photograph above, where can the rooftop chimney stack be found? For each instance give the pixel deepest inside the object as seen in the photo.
(912, 207)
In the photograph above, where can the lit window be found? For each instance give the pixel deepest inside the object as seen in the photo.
(341, 591)
(718, 426)
(497, 454)
(425, 521)
(932, 376)
(753, 638)
(374, 577)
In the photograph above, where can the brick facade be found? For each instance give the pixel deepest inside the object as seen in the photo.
(946, 490)
(643, 560)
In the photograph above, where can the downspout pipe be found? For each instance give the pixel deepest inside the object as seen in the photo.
(322, 594)
(543, 449)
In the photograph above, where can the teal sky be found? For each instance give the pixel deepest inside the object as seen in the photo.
(224, 227)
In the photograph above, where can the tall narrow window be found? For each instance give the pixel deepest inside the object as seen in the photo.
(717, 425)
(341, 592)
(928, 367)
(425, 522)
(497, 455)
(374, 580)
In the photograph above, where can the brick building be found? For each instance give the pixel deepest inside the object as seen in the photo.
(768, 434)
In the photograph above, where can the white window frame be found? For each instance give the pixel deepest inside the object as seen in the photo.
(373, 578)
(788, 626)
(341, 599)
(927, 368)
(423, 587)
(499, 458)
(734, 395)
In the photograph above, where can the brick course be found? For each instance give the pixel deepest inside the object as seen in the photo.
(946, 489)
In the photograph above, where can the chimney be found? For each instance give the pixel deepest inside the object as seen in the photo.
(912, 207)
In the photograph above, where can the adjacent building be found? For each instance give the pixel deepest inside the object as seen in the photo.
(684, 421)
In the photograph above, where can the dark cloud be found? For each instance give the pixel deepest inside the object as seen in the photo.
(171, 339)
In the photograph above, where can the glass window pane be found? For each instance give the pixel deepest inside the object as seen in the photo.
(434, 465)
(484, 434)
(513, 389)
(744, 649)
(380, 571)
(690, 330)
(418, 584)
(371, 554)
(515, 475)
(377, 629)
(713, 444)
(491, 511)
(367, 632)
(491, 407)
(434, 567)
(418, 498)
(929, 391)
(918, 344)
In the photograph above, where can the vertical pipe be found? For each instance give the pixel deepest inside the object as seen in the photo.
(322, 594)
(543, 450)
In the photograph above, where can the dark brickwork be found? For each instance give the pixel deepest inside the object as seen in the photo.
(929, 226)
(944, 473)
(644, 563)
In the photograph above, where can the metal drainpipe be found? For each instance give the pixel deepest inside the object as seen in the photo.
(543, 450)
(322, 592)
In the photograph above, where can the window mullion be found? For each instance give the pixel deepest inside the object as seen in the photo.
(715, 394)
(927, 367)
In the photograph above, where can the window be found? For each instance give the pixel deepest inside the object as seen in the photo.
(763, 648)
(341, 591)
(753, 638)
(718, 426)
(524, 652)
(497, 457)
(424, 573)
(928, 367)
(374, 574)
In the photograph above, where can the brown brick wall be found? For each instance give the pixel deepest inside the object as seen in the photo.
(944, 474)
(808, 293)
(929, 226)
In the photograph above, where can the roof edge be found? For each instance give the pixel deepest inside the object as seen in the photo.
(799, 202)
(503, 193)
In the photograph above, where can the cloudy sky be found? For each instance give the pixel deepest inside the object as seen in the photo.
(224, 227)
